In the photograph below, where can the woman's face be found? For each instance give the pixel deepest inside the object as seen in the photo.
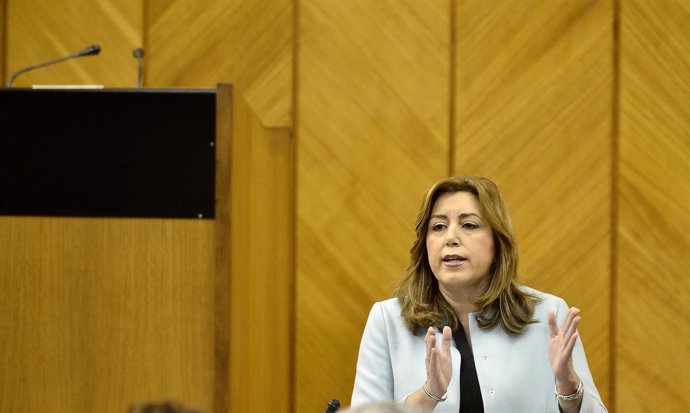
(460, 244)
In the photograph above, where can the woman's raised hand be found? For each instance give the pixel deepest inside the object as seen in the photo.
(438, 362)
(561, 344)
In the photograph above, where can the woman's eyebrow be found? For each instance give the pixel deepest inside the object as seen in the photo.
(461, 216)
(469, 214)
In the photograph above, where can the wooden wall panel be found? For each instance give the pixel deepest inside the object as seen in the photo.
(534, 113)
(532, 108)
(653, 289)
(246, 43)
(261, 266)
(41, 30)
(373, 132)
(81, 294)
(104, 313)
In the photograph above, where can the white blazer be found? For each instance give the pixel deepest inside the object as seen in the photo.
(513, 369)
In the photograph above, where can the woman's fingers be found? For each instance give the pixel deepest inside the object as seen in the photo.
(553, 327)
(570, 337)
(569, 329)
(569, 326)
(569, 318)
(570, 345)
(445, 341)
(562, 342)
(438, 360)
(429, 341)
(572, 327)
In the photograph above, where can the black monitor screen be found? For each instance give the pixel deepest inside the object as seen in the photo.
(107, 153)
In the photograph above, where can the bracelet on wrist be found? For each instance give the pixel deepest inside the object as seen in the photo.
(432, 397)
(575, 396)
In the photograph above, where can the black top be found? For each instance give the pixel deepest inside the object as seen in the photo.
(470, 393)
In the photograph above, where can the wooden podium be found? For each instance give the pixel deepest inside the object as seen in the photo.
(105, 307)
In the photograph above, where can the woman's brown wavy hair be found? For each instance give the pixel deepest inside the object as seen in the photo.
(504, 302)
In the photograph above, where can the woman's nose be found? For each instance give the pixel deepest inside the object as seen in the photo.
(452, 238)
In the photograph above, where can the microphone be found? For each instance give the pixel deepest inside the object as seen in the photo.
(94, 49)
(138, 54)
(333, 406)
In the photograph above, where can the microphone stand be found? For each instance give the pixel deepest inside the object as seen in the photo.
(138, 54)
(95, 49)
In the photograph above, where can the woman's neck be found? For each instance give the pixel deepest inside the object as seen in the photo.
(461, 304)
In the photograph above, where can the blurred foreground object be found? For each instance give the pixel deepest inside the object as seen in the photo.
(161, 407)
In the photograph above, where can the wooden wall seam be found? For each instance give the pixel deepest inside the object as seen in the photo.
(294, 115)
(615, 135)
(292, 305)
(452, 84)
(222, 277)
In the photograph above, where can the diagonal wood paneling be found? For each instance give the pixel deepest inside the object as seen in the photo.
(533, 112)
(372, 130)
(40, 30)
(653, 333)
(246, 43)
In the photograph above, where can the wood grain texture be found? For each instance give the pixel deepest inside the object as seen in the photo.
(222, 309)
(246, 43)
(105, 313)
(534, 114)
(3, 41)
(373, 132)
(262, 264)
(102, 313)
(531, 108)
(40, 30)
(653, 333)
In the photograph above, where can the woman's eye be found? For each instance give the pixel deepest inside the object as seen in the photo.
(470, 225)
(438, 227)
